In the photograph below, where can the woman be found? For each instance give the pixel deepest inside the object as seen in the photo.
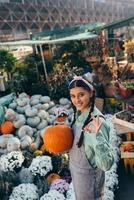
(90, 155)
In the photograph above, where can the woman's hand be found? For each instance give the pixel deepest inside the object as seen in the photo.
(93, 126)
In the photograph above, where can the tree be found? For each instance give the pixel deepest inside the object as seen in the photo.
(7, 62)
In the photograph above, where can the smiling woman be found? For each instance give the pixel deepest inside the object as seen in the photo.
(90, 154)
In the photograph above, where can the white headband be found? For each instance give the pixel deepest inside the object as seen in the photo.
(77, 78)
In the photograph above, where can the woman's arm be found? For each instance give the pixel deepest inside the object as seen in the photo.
(99, 143)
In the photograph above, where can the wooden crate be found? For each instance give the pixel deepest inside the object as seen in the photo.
(122, 126)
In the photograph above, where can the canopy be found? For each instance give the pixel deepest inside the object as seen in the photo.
(81, 36)
(67, 31)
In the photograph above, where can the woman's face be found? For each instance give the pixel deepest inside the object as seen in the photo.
(80, 98)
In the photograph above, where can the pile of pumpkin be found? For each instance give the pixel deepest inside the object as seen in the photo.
(29, 127)
(26, 118)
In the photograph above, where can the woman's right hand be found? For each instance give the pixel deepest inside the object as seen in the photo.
(93, 126)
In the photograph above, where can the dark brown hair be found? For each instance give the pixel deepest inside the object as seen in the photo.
(80, 83)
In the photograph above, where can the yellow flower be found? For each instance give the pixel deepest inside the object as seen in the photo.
(38, 153)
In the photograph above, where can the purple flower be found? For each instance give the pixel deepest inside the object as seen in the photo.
(60, 185)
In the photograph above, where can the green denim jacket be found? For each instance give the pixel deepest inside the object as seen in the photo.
(97, 147)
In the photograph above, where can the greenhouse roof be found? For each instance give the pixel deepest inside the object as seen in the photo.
(117, 23)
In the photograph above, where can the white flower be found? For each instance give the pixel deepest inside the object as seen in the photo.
(111, 177)
(24, 192)
(41, 165)
(11, 160)
(70, 193)
(53, 195)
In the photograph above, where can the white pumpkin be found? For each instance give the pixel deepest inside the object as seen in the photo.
(25, 130)
(42, 124)
(45, 99)
(20, 121)
(38, 106)
(33, 121)
(51, 111)
(34, 102)
(43, 114)
(45, 106)
(25, 141)
(36, 96)
(10, 114)
(23, 95)
(31, 112)
(22, 102)
(51, 104)
(21, 110)
(13, 105)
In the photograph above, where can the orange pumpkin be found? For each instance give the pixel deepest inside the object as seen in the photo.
(7, 127)
(58, 138)
(52, 177)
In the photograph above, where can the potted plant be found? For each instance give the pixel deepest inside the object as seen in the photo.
(126, 88)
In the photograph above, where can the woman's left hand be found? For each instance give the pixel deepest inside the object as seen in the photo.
(93, 126)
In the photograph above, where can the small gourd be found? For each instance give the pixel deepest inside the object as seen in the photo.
(52, 177)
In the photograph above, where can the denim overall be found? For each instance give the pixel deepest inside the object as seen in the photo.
(88, 182)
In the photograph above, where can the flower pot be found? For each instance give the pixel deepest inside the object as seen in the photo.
(110, 90)
(125, 92)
